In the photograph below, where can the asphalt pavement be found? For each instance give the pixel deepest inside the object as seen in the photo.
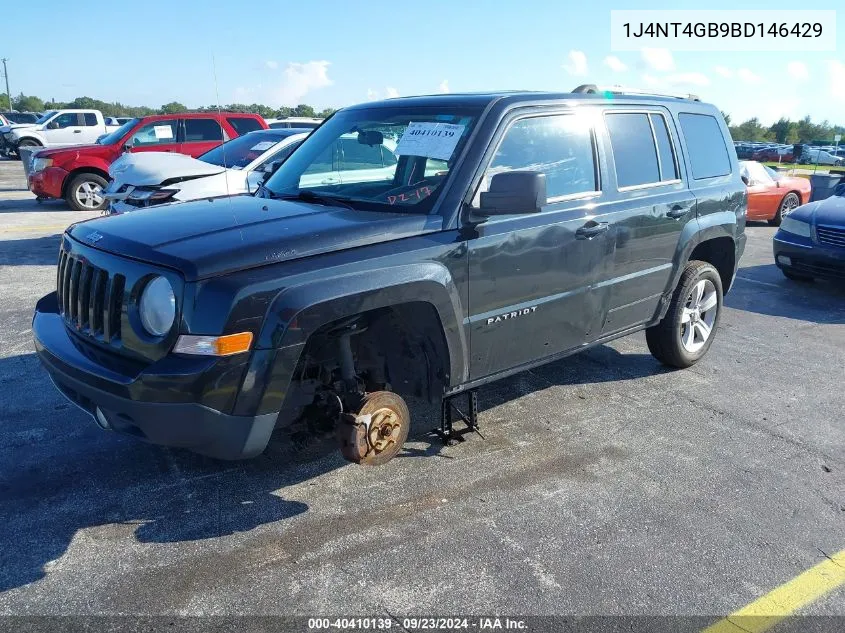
(606, 484)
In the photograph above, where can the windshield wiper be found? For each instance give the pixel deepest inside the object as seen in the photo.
(306, 195)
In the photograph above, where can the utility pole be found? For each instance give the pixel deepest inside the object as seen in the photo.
(6, 75)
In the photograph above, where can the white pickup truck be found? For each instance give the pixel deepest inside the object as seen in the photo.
(56, 128)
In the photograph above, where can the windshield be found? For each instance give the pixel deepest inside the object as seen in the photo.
(113, 137)
(45, 117)
(379, 158)
(240, 152)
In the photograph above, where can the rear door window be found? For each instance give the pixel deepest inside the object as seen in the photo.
(243, 124)
(634, 149)
(202, 130)
(708, 154)
(90, 119)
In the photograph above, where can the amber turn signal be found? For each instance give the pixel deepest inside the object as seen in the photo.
(213, 345)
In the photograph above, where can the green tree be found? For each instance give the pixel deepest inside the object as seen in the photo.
(725, 116)
(24, 103)
(284, 112)
(326, 113)
(304, 110)
(174, 107)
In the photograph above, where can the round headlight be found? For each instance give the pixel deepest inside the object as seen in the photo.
(157, 307)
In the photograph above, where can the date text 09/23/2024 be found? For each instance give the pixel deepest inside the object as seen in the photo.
(419, 623)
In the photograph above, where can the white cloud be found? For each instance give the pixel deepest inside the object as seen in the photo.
(748, 76)
(271, 64)
(651, 80)
(688, 79)
(798, 71)
(615, 64)
(577, 63)
(300, 79)
(444, 86)
(836, 71)
(727, 73)
(372, 95)
(659, 59)
(391, 93)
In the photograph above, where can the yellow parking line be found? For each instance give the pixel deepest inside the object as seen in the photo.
(34, 227)
(780, 603)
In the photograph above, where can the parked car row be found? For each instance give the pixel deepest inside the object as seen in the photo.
(783, 153)
(79, 173)
(80, 127)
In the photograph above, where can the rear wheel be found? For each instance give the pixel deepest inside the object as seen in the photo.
(790, 201)
(685, 334)
(85, 193)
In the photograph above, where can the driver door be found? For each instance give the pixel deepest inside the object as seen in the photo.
(65, 129)
(155, 136)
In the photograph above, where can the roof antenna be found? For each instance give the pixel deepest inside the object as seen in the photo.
(225, 162)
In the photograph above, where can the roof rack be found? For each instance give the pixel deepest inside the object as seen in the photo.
(620, 90)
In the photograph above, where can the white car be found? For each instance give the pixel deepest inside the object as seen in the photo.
(238, 166)
(820, 157)
(58, 128)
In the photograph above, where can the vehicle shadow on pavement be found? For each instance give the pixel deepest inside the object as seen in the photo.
(60, 475)
(36, 251)
(764, 290)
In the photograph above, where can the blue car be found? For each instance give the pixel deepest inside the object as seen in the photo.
(811, 240)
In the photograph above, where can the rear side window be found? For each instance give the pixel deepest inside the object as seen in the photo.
(202, 130)
(243, 125)
(90, 119)
(634, 151)
(559, 146)
(708, 155)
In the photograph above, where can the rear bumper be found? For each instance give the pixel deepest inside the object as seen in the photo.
(804, 257)
(92, 386)
(48, 183)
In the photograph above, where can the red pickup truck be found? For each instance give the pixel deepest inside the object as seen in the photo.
(78, 174)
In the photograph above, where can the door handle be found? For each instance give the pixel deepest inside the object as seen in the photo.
(676, 212)
(591, 229)
(77, 131)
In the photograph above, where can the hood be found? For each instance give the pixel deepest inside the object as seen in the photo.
(153, 168)
(211, 237)
(16, 126)
(94, 150)
(830, 211)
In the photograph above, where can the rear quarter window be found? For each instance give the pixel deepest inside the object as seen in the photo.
(242, 125)
(708, 154)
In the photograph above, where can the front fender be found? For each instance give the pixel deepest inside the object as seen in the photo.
(312, 305)
(30, 134)
(298, 311)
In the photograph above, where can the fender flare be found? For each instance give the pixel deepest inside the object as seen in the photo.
(309, 306)
(695, 232)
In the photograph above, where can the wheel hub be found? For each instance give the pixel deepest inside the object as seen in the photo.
(384, 429)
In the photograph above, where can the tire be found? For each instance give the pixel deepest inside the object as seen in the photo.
(28, 142)
(84, 193)
(795, 276)
(380, 405)
(678, 343)
(790, 201)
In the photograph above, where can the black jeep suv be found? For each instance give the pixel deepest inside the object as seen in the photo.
(419, 246)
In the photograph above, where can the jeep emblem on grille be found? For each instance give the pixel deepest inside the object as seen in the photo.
(94, 237)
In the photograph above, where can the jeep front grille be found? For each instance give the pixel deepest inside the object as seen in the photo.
(90, 299)
(831, 235)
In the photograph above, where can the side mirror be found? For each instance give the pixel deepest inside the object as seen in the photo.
(53, 125)
(745, 180)
(514, 192)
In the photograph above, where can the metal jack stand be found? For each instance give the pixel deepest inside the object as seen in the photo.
(447, 432)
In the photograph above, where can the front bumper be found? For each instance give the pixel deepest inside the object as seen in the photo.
(48, 183)
(808, 258)
(142, 403)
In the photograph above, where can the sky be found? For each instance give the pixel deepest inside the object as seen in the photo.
(335, 53)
